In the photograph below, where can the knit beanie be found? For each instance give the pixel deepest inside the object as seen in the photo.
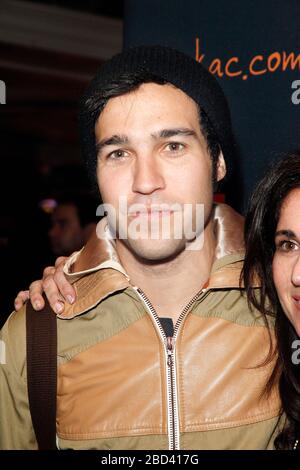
(171, 66)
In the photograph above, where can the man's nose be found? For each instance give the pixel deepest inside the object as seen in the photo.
(148, 175)
(296, 272)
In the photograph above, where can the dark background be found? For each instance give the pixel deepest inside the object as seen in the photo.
(49, 51)
(265, 121)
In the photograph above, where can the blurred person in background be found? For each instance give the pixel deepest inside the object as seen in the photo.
(73, 221)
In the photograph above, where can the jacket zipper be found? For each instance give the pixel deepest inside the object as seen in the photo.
(173, 414)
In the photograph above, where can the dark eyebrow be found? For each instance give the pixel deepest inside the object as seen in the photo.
(163, 134)
(114, 140)
(166, 133)
(287, 233)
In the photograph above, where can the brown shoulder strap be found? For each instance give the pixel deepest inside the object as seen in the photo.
(41, 334)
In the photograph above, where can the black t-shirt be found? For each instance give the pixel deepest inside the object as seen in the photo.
(168, 326)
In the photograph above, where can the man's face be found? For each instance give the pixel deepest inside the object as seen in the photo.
(66, 233)
(152, 152)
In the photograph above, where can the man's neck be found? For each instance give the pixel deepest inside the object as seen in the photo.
(171, 285)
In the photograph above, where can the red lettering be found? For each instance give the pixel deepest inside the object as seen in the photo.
(216, 67)
(290, 58)
(253, 61)
(277, 58)
(231, 73)
(199, 58)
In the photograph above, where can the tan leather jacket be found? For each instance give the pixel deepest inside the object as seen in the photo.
(122, 385)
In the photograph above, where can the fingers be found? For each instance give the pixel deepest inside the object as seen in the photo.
(52, 292)
(66, 290)
(55, 285)
(48, 271)
(61, 260)
(35, 295)
(21, 298)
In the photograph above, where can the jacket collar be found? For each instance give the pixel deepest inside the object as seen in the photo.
(96, 271)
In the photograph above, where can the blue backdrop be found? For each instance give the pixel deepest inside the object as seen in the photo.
(253, 48)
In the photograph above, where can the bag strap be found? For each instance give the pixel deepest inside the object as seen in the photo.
(41, 336)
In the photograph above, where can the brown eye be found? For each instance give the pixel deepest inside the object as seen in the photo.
(116, 155)
(287, 246)
(175, 147)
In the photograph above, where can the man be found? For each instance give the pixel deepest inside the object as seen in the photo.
(159, 350)
(73, 222)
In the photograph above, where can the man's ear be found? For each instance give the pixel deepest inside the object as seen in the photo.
(221, 167)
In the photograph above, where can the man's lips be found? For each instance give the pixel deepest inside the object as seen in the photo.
(151, 213)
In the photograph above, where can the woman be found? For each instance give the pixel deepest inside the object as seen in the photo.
(272, 234)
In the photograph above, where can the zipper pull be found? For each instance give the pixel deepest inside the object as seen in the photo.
(170, 350)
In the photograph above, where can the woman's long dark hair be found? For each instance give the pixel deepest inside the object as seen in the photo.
(261, 222)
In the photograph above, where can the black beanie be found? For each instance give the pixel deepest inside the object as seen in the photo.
(171, 66)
